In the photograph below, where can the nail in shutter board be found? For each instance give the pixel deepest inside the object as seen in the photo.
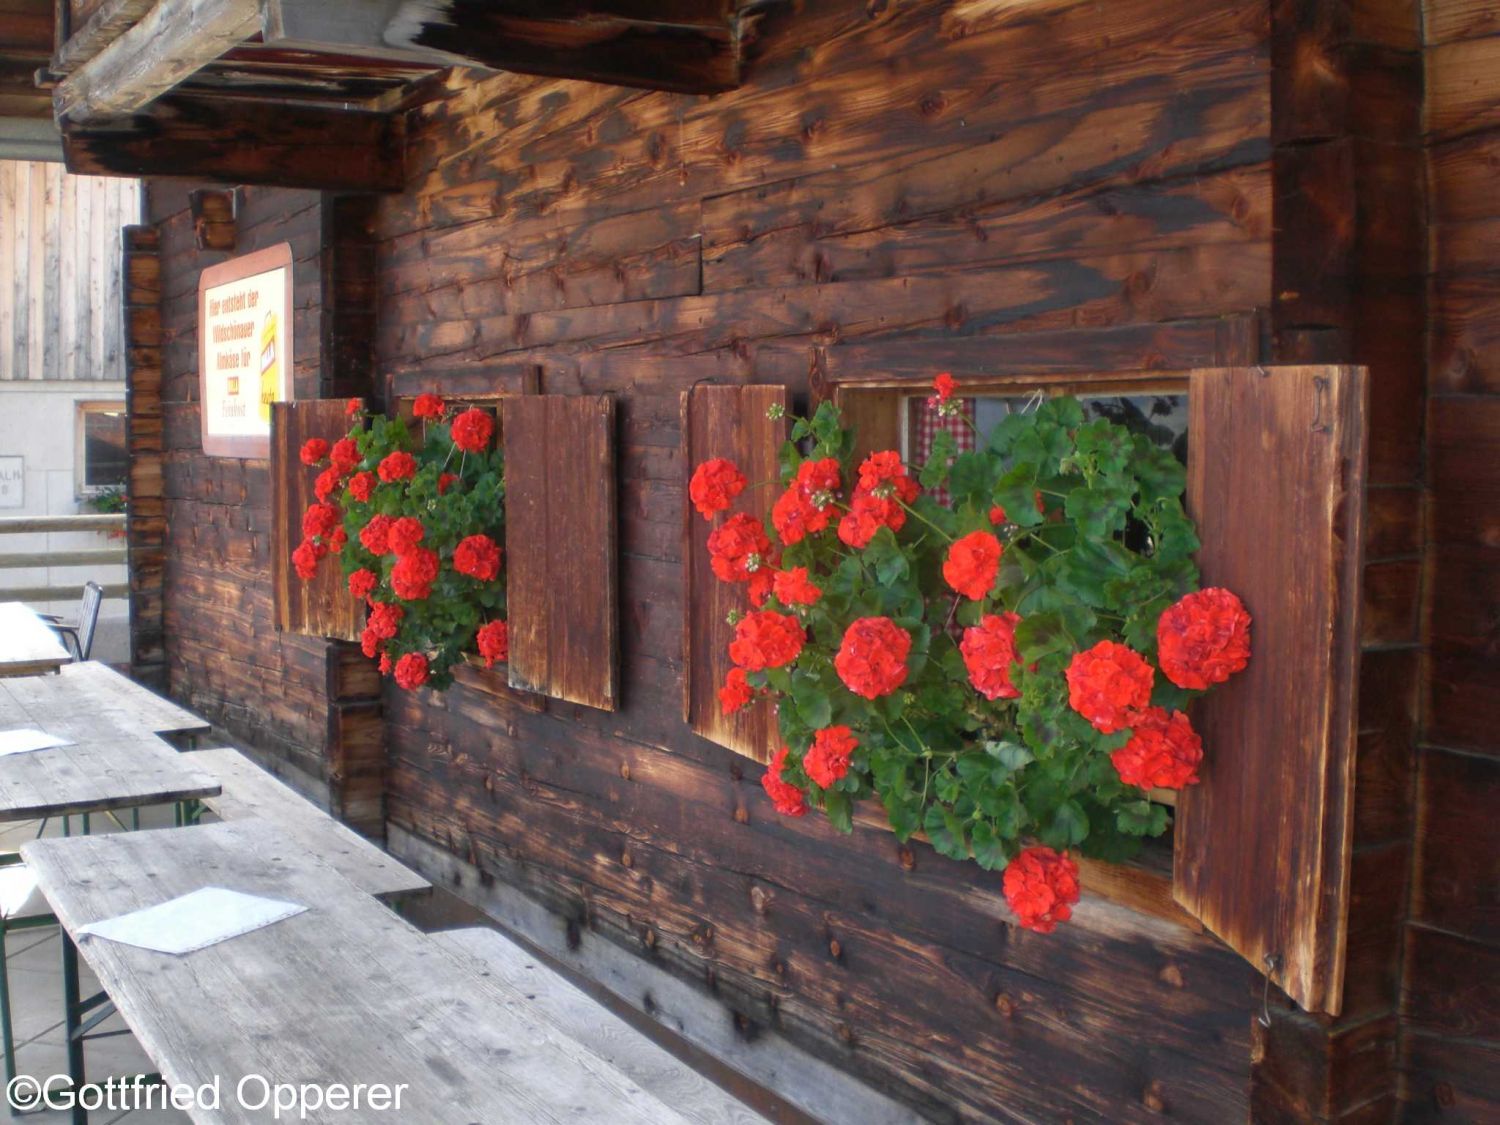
(1275, 483)
(560, 546)
(731, 422)
(322, 607)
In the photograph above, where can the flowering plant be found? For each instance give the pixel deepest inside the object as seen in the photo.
(1007, 671)
(416, 520)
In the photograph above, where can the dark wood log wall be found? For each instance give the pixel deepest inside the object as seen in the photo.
(1451, 1007)
(1072, 186)
(224, 658)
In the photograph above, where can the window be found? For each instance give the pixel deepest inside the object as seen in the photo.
(102, 458)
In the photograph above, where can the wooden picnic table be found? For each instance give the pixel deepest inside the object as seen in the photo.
(346, 992)
(107, 690)
(28, 645)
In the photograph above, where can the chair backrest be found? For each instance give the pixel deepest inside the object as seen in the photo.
(88, 617)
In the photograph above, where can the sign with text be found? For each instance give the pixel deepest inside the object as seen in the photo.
(244, 350)
(12, 482)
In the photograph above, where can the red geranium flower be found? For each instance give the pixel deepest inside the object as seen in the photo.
(872, 657)
(997, 515)
(353, 407)
(429, 406)
(370, 643)
(1163, 752)
(385, 664)
(404, 535)
(320, 520)
(1109, 685)
(305, 560)
(397, 466)
(867, 514)
(384, 619)
(793, 588)
(806, 507)
(411, 671)
(362, 486)
(337, 540)
(972, 564)
(739, 547)
(989, 651)
(944, 385)
(374, 535)
(735, 693)
(819, 479)
(478, 557)
(313, 451)
(788, 799)
(494, 642)
(362, 583)
(1204, 639)
(828, 758)
(766, 639)
(327, 483)
(882, 474)
(344, 456)
(414, 573)
(472, 430)
(445, 482)
(714, 486)
(1041, 887)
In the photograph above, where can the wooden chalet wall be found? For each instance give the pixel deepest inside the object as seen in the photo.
(288, 695)
(1085, 186)
(1451, 1006)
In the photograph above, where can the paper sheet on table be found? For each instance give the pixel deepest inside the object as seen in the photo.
(27, 739)
(192, 921)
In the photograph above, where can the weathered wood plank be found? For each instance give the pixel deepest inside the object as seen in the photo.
(730, 422)
(560, 546)
(27, 645)
(1267, 873)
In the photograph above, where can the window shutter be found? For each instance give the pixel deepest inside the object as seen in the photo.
(730, 422)
(1276, 481)
(322, 607)
(560, 546)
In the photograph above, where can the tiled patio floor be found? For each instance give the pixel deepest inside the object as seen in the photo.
(34, 959)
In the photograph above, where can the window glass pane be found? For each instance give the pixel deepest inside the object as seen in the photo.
(105, 460)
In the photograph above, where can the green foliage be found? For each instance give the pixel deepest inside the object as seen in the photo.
(1096, 546)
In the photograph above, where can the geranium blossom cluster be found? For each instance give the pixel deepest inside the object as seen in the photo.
(415, 513)
(1005, 671)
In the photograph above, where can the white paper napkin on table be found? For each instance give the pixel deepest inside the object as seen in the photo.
(28, 739)
(192, 921)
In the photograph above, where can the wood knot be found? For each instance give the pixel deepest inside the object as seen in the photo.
(735, 772)
(835, 949)
(625, 770)
(1172, 975)
(846, 1033)
(1153, 1098)
(626, 860)
(954, 316)
(741, 815)
(760, 900)
(703, 935)
(907, 860)
(778, 966)
(932, 105)
(648, 938)
(1005, 1005)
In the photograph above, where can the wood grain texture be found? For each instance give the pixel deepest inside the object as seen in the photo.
(27, 645)
(466, 1049)
(729, 422)
(249, 792)
(1263, 844)
(98, 687)
(321, 607)
(560, 547)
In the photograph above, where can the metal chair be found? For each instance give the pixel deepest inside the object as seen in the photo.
(81, 633)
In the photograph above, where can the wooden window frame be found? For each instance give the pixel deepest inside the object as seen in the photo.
(82, 408)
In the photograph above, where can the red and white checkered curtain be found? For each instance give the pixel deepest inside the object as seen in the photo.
(929, 423)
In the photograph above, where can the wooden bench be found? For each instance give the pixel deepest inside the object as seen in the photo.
(250, 792)
(551, 997)
(346, 992)
(109, 690)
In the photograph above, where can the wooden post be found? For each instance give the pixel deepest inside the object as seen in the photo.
(146, 520)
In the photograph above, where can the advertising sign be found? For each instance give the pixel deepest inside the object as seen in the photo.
(244, 350)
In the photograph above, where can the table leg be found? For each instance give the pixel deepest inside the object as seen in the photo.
(73, 1022)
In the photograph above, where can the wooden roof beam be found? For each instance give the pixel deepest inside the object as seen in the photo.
(112, 19)
(172, 41)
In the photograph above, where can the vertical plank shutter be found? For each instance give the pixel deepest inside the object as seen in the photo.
(726, 422)
(560, 546)
(322, 607)
(1276, 481)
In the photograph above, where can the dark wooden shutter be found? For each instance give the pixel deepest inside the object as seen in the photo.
(725, 422)
(560, 546)
(1276, 480)
(322, 607)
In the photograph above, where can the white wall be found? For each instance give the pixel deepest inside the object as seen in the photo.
(38, 423)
